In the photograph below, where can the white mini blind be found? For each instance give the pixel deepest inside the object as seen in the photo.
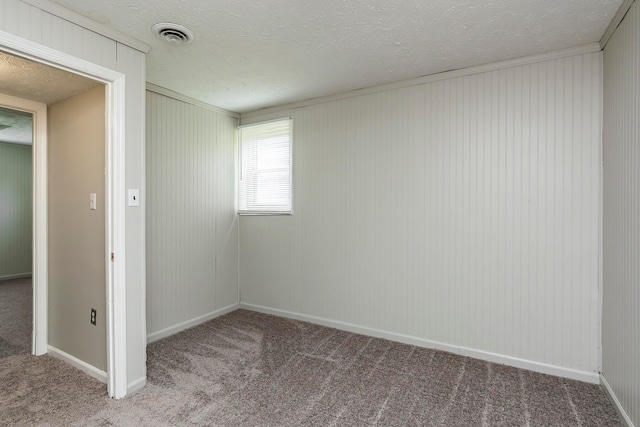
(265, 168)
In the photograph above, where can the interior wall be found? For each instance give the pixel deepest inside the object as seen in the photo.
(16, 231)
(621, 291)
(77, 250)
(44, 27)
(459, 214)
(192, 227)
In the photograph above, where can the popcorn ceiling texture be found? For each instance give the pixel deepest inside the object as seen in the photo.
(30, 80)
(251, 369)
(248, 55)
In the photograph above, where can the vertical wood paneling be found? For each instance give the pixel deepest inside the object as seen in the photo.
(15, 210)
(131, 63)
(191, 217)
(621, 229)
(461, 211)
(33, 24)
(8, 14)
(56, 33)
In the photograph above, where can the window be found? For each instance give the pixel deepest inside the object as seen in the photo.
(265, 168)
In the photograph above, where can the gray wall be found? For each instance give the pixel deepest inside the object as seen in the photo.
(16, 202)
(192, 228)
(621, 287)
(461, 214)
(77, 252)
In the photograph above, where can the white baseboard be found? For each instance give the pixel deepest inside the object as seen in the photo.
(543, 368)
(15, 276)
(136, 385)
(616, 403)
(77, 363)
(190, 323)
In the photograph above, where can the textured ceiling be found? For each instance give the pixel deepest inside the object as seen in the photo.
(251, 54)
(30, 80)
(16, 127)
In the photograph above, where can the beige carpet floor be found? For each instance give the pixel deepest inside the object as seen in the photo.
(251, 369)
(16, 321)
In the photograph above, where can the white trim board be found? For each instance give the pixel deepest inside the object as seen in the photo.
(614, 399)
(420, 342)
(579, 50)
(136, 385)
(15, 276)
(89, 24)
(77, 363)
(155, 336)
(184, 98)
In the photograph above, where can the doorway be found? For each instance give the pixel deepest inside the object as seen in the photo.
(38, 113)
(16, 225)
(114, 202)
(75, 164)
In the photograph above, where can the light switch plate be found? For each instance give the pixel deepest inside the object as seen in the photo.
(134, 197)
(92, 201)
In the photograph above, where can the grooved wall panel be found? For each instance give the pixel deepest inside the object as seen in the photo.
(33, 24)
(57, 32)
(192, 235)
(15, 210)
(461, 213)
(621, 229)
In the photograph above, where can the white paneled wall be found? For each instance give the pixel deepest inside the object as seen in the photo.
(460, 214)
(192, 238)
(29, 22)
(15, 210)
(621, 288)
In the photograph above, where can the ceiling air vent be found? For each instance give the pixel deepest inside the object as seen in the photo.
(173, 33)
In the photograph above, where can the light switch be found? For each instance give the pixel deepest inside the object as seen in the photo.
(92, 201)
(134, 197)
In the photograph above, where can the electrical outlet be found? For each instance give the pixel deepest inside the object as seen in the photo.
(93, 316)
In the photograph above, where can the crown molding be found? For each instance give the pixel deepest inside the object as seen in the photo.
(615, 22)
(579, 50)
(180, 97)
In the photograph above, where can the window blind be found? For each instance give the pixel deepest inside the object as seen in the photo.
(265, 168)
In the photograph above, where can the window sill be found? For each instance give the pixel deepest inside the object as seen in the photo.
(264, 213)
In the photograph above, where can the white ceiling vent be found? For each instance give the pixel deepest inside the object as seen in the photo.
(173, 33)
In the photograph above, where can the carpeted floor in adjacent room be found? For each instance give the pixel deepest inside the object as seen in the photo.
(251, 369)
(16, 321)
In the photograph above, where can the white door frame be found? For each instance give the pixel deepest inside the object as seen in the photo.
(39, 221)
(115, 201)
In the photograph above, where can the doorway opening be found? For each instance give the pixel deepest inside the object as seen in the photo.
(114, 203)
(76, 212)
(16, 225)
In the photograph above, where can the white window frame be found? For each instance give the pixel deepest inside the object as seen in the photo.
(258, 211)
